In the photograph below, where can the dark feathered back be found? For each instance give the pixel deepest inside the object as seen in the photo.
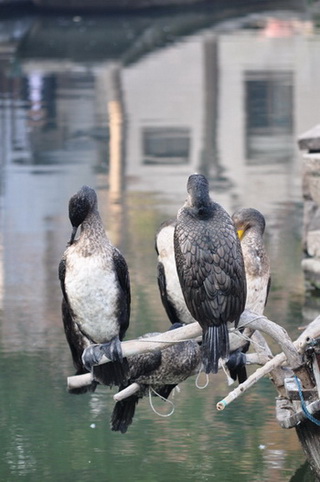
(210, 268)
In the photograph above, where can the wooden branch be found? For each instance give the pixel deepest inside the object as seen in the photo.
(312, 331)
(78, 381)
(126, 392)
(251, 359)
(277, 361)
(143, 345)
(159, 342)
(192, 331)
(275, 331)
(264, 354)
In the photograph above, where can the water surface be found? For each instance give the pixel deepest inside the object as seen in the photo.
(131, 105)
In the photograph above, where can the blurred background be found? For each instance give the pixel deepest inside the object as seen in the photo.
(131, 103)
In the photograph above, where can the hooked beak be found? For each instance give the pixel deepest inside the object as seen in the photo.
(240, 233)
(73, 235)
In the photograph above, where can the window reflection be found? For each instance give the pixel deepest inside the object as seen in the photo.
(269, 121)
(162, 145)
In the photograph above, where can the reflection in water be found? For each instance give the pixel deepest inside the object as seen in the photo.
(269, 108)
(132, 106)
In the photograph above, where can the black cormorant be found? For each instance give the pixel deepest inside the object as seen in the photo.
(250, 225)
(210, 268)
(96, 294)
(160, 371)
(173, 299)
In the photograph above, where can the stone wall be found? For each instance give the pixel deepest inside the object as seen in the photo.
(309, 143)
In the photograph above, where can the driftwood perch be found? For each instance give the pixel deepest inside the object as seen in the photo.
(312, 331)
(192, 331)
(251, 359)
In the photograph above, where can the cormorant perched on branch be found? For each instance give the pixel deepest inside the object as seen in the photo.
(173, 299)
(250, 225)
(161, 371)
(210, 268)
(96, 294)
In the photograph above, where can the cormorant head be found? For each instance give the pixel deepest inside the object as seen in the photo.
(80, 205)
(248, 218)
(198, 190)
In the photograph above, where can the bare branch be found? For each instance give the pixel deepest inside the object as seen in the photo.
(126, 392)
(192, 331)
(312, 331)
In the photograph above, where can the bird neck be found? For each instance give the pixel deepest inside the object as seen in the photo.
(199, 200)
(92, 226)
(250, 237)
(203, 210)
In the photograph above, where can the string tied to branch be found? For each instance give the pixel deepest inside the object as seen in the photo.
(303, 403)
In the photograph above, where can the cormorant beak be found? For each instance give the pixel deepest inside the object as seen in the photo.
(73, 234)
(240, 233)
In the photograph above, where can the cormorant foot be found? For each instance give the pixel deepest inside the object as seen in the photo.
(93, 354)
(236, 365)
(112, 350)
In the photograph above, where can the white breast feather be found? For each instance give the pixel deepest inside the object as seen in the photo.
(92, 290)
(166, 256)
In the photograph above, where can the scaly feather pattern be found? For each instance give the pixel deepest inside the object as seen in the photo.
(210, 268)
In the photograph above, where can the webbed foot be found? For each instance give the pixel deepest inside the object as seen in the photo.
(236, 365)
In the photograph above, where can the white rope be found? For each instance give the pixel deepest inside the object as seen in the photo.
(247, 338)
(230, 381)
(147, 340)
(162, 398)
(197, 380)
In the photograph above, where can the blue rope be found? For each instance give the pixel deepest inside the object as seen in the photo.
(303, 404)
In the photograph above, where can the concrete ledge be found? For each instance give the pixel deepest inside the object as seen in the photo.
(310, 140)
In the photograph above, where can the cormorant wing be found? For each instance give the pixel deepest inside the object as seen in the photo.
(62, 275)
(168, 306)
(124, 282)
(268, 290)
(144, 364)
(210, 272)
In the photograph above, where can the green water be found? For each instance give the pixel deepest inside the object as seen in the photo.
(194, 94)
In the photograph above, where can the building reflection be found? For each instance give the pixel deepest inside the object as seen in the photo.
(218, 101)
(269, 119)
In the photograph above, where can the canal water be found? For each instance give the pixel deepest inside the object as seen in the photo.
(131, 105)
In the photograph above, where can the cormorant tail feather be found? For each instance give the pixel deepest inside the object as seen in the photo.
(123, 413)
(215, 345)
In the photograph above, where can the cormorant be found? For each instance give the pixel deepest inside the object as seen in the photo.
(161, 371)
(210, 268)
(96, 294)
(250, 225)
(172, 298)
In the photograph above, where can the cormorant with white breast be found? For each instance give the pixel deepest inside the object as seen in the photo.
(159, 371)
(96, 294)
(210, 268)
(250, 225)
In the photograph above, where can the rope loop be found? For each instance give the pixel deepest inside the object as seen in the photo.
(201, 387)
(152, 390)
